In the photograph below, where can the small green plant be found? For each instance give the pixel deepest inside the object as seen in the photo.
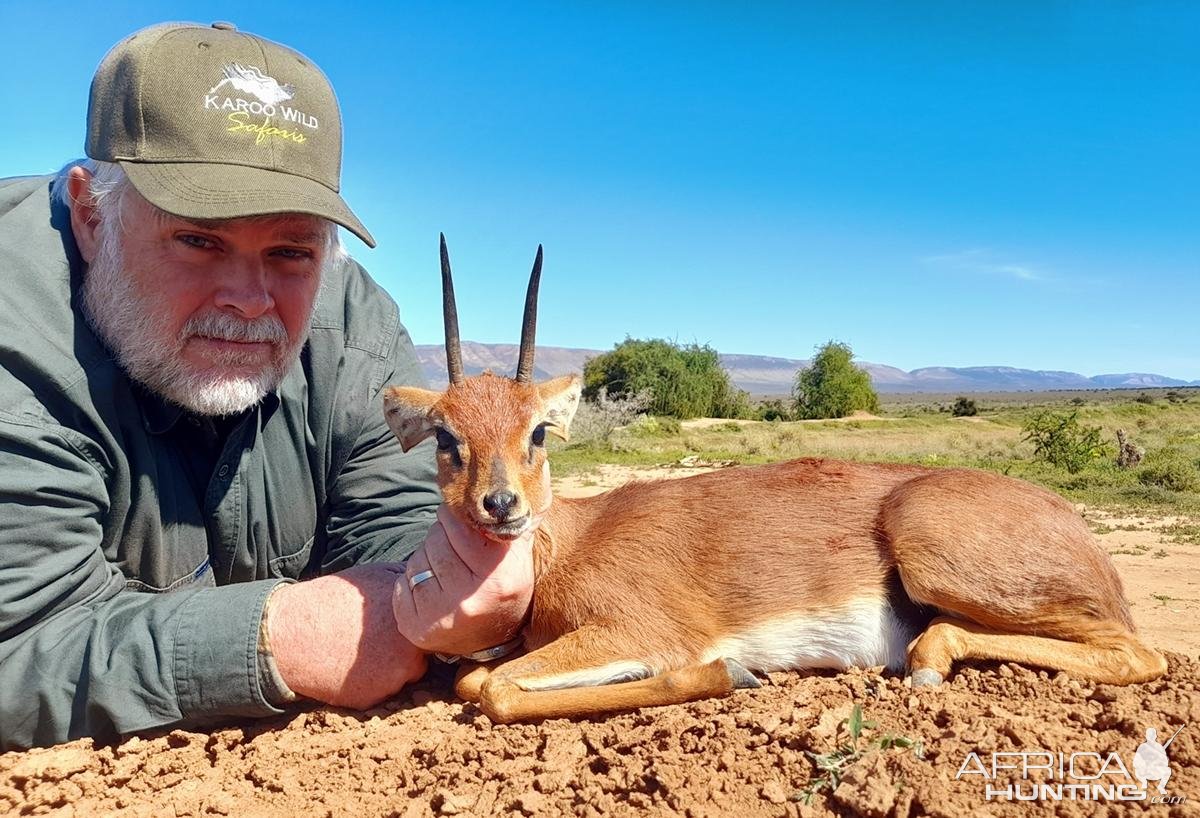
(1061, 440)
(1184, 533)
(964, 408)
(833, 764)
(1163, 599)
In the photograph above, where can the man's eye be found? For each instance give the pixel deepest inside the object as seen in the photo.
(445, 441)
(293, 253)
(195, 241)
(538, 438)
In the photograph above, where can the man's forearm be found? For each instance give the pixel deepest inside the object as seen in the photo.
(133, 662)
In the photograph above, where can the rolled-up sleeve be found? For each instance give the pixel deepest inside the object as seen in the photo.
(79, 653)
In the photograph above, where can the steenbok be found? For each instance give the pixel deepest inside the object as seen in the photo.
(674, 590)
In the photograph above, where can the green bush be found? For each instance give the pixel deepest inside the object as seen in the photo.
(1061, 440)
(683, 381)
(651, 426)
(774, 409)
(831, 386)
(964, 408)
(1169, 469)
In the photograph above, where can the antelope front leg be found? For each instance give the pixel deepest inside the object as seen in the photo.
(468, 681)
(586, 672)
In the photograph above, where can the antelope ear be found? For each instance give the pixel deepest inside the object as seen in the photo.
(406, 409)
(560, 397)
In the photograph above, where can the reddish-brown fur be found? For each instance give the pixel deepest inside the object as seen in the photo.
(658, 572)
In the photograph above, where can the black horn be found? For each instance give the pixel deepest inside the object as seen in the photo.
(529, 322)
(450, 314)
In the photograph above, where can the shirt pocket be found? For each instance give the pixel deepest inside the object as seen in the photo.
(291, 566)
(202, 574)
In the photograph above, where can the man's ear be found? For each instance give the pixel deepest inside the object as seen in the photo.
(85, 218)
(406, 409)
(560, 397)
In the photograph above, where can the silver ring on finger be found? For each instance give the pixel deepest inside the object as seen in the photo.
(419, 577)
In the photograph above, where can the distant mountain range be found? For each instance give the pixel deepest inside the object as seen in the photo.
(764, 375)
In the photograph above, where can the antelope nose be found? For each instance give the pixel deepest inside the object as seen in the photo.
(499, 504)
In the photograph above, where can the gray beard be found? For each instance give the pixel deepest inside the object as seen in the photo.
(137, 333)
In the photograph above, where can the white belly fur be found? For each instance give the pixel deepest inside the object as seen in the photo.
(863, 633)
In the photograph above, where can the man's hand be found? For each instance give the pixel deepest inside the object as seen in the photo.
(334, 638)
(479, 593)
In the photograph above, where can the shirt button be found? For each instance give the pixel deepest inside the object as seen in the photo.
(224, 470)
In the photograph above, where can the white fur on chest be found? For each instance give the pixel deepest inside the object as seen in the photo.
(863, 633)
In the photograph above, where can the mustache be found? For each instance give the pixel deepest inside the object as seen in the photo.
(225, 327)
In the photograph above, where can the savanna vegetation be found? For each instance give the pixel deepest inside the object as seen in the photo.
(1066, 441)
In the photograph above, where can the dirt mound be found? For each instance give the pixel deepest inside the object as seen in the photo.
(751, 754)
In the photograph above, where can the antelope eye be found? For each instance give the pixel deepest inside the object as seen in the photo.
(538, 438)
(445, 441)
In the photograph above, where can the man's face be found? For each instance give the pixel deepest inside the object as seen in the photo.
(208, 314)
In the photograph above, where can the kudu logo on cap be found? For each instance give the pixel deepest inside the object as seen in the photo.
(212, 123)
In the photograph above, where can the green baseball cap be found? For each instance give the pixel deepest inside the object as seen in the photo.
(209, 122)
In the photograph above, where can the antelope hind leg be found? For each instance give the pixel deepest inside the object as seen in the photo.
(576, 676)
(1116, 659)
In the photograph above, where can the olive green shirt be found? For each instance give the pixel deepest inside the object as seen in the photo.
(138, 543)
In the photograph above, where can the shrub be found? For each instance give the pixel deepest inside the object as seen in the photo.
(1169, 469)
(595, 419)
(1060, 439)
(831, 386)
(726, 427)
(964, 408)
(683, 381)
(655, 426)
(1144, 398)
(774, 409)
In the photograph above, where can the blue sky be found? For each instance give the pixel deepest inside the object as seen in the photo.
(938, 183)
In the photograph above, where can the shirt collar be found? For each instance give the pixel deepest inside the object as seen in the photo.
(159, 415)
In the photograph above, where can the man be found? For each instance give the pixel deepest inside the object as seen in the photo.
(190, 419)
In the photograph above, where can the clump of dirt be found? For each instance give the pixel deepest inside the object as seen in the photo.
(756, 753)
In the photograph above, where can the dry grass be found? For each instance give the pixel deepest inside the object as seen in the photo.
(992, 440)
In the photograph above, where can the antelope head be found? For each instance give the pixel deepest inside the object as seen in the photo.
(491, 430)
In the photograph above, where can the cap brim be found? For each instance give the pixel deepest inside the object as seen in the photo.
(197, 190)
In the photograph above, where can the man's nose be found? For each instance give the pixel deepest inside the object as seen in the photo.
(245, 290)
